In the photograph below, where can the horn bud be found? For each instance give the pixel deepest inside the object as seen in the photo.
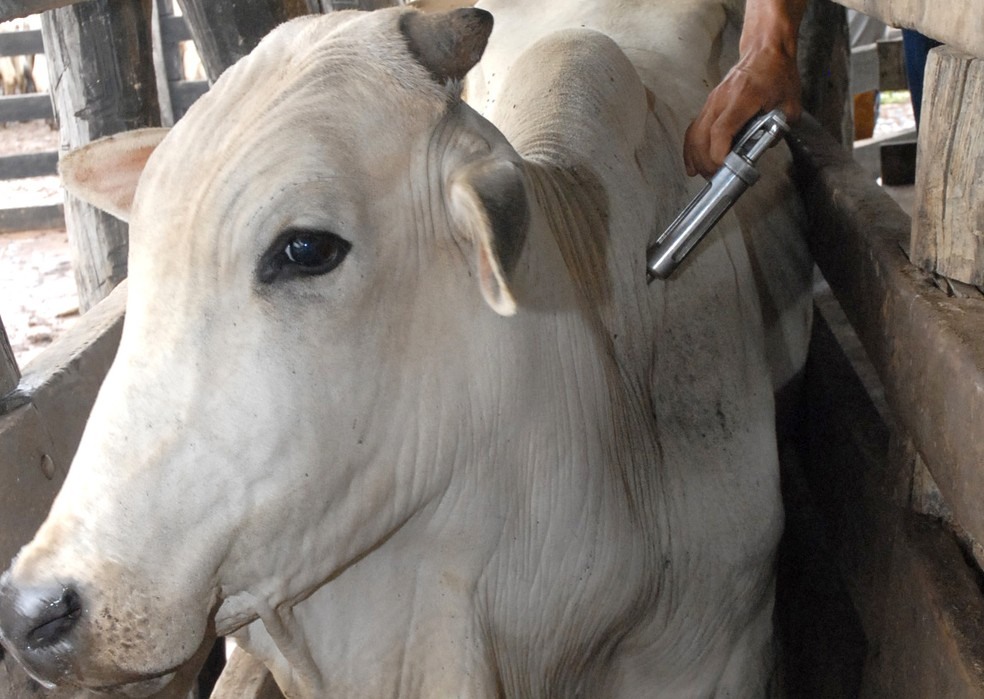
(448, 44)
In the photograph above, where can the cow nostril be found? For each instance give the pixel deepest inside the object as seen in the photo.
(34, 619)
(55, 620)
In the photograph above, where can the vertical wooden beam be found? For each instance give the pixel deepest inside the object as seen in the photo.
(9, 372)
(100, 58)
(160, 66)
(948, 226)
(226, 30)
(825, 68)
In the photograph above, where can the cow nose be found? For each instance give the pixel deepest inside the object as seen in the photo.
(36, 624)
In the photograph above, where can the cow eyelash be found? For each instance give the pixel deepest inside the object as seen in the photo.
(302, 252)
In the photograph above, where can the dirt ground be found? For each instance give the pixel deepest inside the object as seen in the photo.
(38, 299)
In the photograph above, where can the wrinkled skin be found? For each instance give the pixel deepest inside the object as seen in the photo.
(477, 457)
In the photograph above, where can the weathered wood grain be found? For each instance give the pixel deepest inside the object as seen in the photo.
(948, 221)
(39, 438)
(959, 24)
(226, 30)
(916, 595)
(925, 345)
(55, 395)
(103, 83)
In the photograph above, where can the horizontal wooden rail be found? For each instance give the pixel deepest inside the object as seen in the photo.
(915, 594)
(21, 43)
(959, 24)
(32, 218)
(174, 29)
(25, 108)
(41, 421)
(185, 92)
(16, 167)
(925, 345)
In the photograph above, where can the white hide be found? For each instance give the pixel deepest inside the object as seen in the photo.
(374, 479)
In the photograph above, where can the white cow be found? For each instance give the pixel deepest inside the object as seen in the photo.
(394, 405)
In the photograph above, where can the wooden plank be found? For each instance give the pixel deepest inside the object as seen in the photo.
(32, 218)
(824, 65)
(916, 595)
(959, 24)
(925, 345)
(226, 30)
(174, 29)
(16, 167)
(25, 107)
(102, 51)
(891, 65)
(931, 642)
(12, 9)
(339, 5)
(21, 43)
(53, 402)
(864, 68)
(948, 221)
(186, 92)
(867, 152)
(9, 371)
(160, 49)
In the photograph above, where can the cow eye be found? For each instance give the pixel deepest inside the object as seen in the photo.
(303, 252)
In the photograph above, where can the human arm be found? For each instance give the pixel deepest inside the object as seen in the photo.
(764, 78)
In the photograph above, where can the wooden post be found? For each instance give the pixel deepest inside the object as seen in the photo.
(948, 225)
(226, 30)
(100, 58)
(9, 373)
(825, 68)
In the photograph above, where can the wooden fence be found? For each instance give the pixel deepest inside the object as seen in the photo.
(175, 94)
(13, 167)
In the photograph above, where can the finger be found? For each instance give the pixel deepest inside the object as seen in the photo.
(688, 149)
(724, 130)
(698, 140)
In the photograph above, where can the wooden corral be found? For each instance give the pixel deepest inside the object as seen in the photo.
(880, 591)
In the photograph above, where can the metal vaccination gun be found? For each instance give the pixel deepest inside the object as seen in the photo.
(736, 175)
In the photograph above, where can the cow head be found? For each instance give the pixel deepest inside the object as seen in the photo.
(302, 242)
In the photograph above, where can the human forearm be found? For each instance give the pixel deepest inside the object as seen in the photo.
(764, 78)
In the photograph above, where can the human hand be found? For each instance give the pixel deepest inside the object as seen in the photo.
(761, 81)
(765, 77)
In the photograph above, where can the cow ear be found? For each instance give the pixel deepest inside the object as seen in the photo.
(105, 173)
(489, 205)
(448, 44)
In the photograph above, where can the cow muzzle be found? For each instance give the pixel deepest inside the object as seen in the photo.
(38, 626)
